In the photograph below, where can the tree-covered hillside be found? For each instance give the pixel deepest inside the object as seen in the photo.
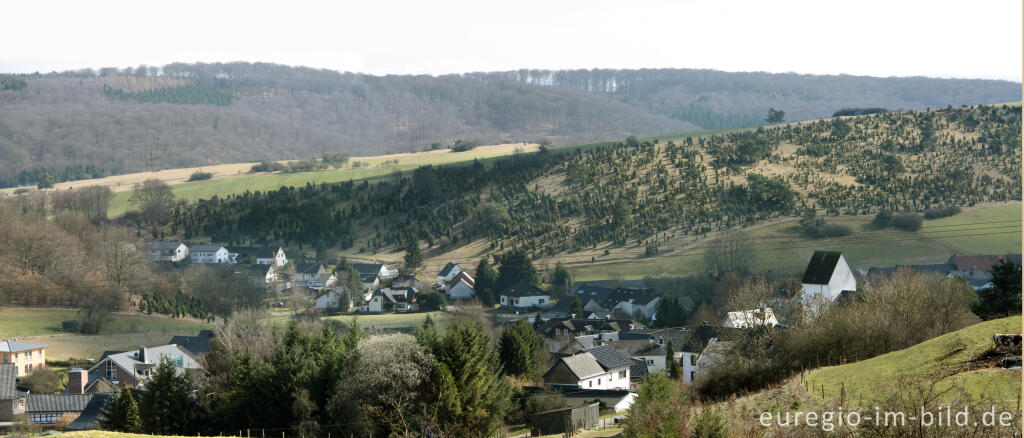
(641, 192)
(185, 115)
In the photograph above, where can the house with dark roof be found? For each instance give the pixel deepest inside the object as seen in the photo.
(25, 356)
(524, 297)
(827, 276)
(977, 269)
(266, 275)
(134, 368)
(56, 409)
(391, 299)
(311, 274)
(88, 419)
(12, 401)
(651, 346)
(379, 269)
(167, 251)
(209, 254)
(698, 352)
(81, 382)
(271, 255)
(447, 274)
(594, 368)
(631, 301)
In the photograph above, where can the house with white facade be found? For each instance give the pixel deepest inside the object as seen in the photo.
(702, 351)
(460, 287)
(167, 251)
(447, 274)
(390, 299)
(264, 275)
(524, 297)
(827, 276)
(310, 274)
(332, 299)
(209, 254)
(594, 368)
(631, 301)
(271, 255)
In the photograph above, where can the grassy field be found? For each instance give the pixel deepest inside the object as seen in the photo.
(373, 167)
(933, 359)
(392, 320)
(984, 230)
(31, 321)
(779, 247)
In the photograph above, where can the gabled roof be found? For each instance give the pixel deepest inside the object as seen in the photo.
(702, 335)
(638, 370)
(464, 277)
(821, 267)
(39, 403)
(979, 262)
(197, 345)
(129, 362)
(8, 373)
(608, 357)
(308, 268)
(206, 248)
(367, 268)
(608, 297)
(523, 290)
(261, 269)
(164, 246)
(89, 418)
(447, 269)
(397, 294)
(367, 278)
(14, 345)
(583, 365)
(267, 252)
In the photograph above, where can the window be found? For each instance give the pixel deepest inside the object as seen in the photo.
(622, 374)
(650, 361)
(598, 382)
(43, 418)
(693, 359)
(28, 368)
(111, 372)
(540, 301)
(590, 384)
(693, 376)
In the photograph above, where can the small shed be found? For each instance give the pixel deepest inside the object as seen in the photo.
(566, 420)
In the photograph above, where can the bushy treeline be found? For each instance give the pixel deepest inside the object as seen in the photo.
(883, 316)
(311, 380)
(641, 193)
(69, 173)
(858, 111)
(191, 94)
(12, 83)
(177, 306)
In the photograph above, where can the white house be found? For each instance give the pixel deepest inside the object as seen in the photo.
(594, 368)
(751, 318)
(271, 255)
(264, 275)
(827, 276)
(209, 254)
(167, 251)
(447, 275)
(524, 296)
(330, 300)
(461, 287)
(310, 274)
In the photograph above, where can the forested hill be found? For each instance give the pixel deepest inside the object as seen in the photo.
(86, 124)
(713, 99)
(642, 193)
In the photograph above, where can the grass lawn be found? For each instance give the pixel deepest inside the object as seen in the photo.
(67, 346)
(992, 228)
(780, 248)
(105, 434)
(31, 321)
(191, 191)
(934, 358)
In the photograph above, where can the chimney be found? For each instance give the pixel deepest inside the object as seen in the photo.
(77, 378)
(142, 354)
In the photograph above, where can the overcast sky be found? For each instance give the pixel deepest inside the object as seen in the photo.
(968, 39)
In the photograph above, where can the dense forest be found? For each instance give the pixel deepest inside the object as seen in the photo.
(183, 115)
(644, 192)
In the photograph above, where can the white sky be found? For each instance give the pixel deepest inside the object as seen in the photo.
(971, 39)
